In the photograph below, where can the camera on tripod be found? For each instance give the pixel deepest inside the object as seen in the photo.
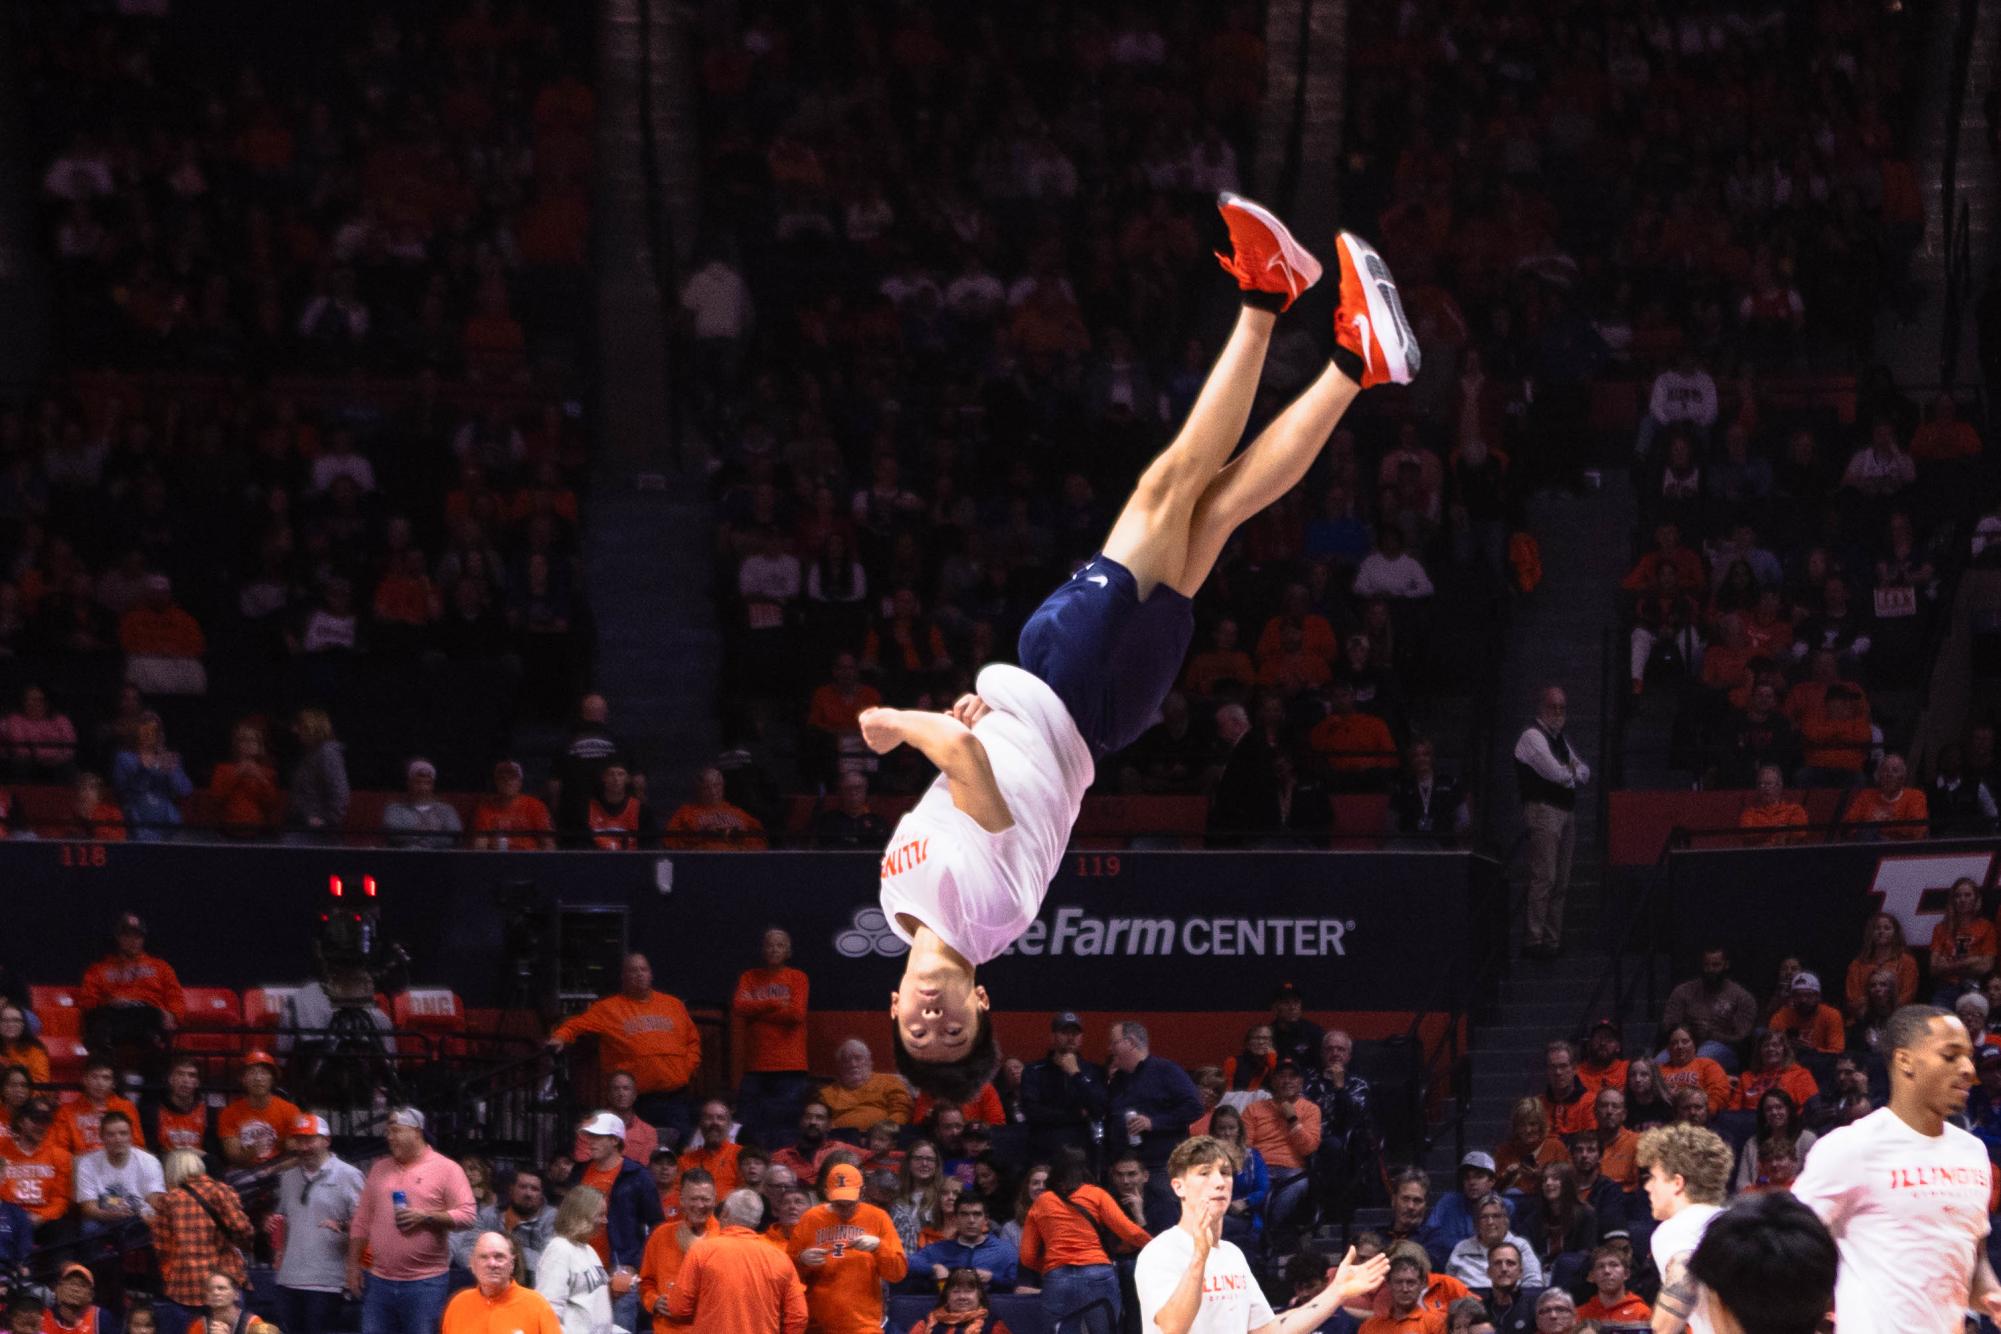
(355, 959)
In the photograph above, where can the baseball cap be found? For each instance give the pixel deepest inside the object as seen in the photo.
(1805, 982)
(407, 1116)
(977, 1129)
(844, 1182)
(605, 1123)
(1605, 1021)
(1285, 1063)
(1988, 1054)
(1476, 1160)
(1065, 1019)
(421, 768)
(74, 1270)
(1286, 990)
(259, 1057)
(664, 1152)
(130, 921)
(511, 768)
(308, 1124)
(1621, 1233)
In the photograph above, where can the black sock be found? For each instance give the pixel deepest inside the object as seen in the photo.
(1348, 363)
(1271, 301)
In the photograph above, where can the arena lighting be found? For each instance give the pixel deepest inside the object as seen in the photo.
(337, 887)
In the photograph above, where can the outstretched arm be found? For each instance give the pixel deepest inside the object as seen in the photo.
(951, 745)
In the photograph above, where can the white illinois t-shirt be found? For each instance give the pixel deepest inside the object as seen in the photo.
(979, 890)
(1232, 1301)
(1680, 1235)
(1909, 1212)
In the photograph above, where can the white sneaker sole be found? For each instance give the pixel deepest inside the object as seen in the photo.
(1296, 255)
(1386, 315)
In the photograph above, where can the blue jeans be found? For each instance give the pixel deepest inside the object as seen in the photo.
(625, 1311)
(1081, 1299)
(172, 1316)
(403, 1306)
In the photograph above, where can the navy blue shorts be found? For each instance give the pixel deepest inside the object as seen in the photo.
(1109, 657)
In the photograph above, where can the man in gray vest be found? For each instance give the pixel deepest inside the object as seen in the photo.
(1550, 774)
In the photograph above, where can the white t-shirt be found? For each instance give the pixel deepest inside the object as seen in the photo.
(98, 1181)
(1908, 1212)
(1232, 1301)
(980, 890)
(1680, 1235)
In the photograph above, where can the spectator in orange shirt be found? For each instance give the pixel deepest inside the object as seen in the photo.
(1883, 947)
(36, 1172)
(667, 1248)
(1358, 746)
(648, 1033)
(1818, 1025)
(163, 644)
(1612, 1302)
(1809, 698)
(807, 1154)
(1528, 1149)
(621, 1099)
(1685, 1069)
(839, 703)
(1405, 1315)
(1617, 1145)
(619, 821)
(711, 823)
(1963, 944)
(1891, 809)
(1293, 668)
(76, 1126)
(712, 1150)
(1296, 609)
(737, 1282)
(1835, 741)
(1222, 663)
(1946, 436)
(846, 1250)
(1566, 1098)
(982, 1109)
(1775, 1068)
(859, 1097)
(130, 996)
(1771, 812)
(1644, 577)
(245, 788)
(91, 816)
(255, 1126)
(1603, 1064)
(770, 1002)
(509, 820)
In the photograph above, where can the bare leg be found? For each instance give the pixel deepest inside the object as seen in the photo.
(1151, 535)
(1272, 465)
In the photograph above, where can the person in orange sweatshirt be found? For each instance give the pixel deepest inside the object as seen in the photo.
(76, 1126)
(667, 1250)
(713, 1152)
(737, 1280)
(1776, 820)
(770, 1002)
(35, 1171)
(1892, 807)
(846, 1250)
(130, 996)
(1835, 738)
(648, 1033)
(245, 787)
(1612, 1303)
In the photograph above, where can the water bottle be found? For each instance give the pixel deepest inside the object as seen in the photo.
(400, 1199)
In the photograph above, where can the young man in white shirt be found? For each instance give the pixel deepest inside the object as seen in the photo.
(967, 869)
(1686, 1172)
(1905, 1192)
(1191, 1281)
(117, 1184)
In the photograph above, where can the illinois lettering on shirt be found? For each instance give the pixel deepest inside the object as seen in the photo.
(907, 857)
(1909, 1212)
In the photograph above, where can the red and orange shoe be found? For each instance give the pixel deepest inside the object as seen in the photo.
(1370, 324)
(1271, 267)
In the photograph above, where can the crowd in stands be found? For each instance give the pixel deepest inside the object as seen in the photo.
(945, 310)
(308, 442)
(1042, 1187)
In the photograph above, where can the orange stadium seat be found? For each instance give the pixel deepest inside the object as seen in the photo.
(264, 1007)
(209, 1009)
(66, 1053)
(430, 1010)
(57, 1008)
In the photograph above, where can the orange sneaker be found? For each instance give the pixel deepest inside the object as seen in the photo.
(1271, 267)
(1370, 322)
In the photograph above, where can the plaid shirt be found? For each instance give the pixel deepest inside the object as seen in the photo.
(189, 1245)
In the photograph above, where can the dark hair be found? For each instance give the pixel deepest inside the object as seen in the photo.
(962, 1278)
(99, 1061)
(1070, 1170)
(696, 1176)
(1910, 1025)
(1771, 1263)
(952, 1081)
(114, 1115)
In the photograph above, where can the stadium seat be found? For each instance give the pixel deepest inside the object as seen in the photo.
(430, 1010)
(66, 1053)
(264, 1007)
(210, 1009)
(57, 1008)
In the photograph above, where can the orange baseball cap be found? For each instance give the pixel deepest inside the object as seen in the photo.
(308, 1124)
(251, 1058)
(844, 1182)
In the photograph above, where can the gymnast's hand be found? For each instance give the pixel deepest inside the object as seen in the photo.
(970, 709)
